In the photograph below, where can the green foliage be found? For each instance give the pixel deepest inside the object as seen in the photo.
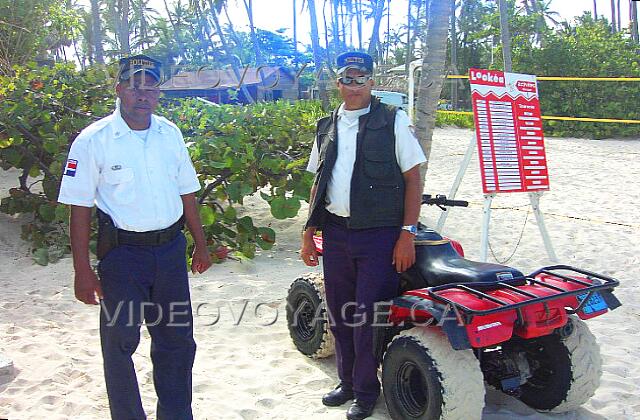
(456, 120)
(236, 150)
(31, 28)
(591, 50)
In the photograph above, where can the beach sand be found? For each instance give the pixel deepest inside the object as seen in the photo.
(247, 367)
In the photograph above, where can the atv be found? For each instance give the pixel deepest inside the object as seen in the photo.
(458, 324)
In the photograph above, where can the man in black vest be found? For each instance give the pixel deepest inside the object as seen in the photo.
(366, 200)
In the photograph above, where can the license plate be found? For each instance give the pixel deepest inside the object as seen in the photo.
(594, 304)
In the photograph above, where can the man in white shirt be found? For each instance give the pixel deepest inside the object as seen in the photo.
(366, 201)
(135, 167)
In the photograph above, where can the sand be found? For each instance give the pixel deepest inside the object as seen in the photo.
(248, 368)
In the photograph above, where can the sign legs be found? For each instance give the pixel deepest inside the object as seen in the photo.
(534, 198)
(486, 219)
(456, 184)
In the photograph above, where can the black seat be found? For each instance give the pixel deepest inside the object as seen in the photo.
(438, 263)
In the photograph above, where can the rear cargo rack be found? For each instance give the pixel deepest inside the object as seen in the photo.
(478, 289)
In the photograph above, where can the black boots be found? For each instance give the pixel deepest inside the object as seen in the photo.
(337, 397)
(360, 410)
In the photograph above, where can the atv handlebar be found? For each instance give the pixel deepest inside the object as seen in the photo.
(442, 201)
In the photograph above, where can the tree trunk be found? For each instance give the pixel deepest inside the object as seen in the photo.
(540, 24)
(386, 53)
(375, 34)
(634, 22)
(359, 23)
(505, 35)
(409, 52)
(454, 56)
(613, 15)
(176, 32)
(125, 46)
(595, 9)
(97, 31)
(295, 36)
(317, 57)
(432, 78)
(335, 24)
(326, 35)
(256, 46)
(619, 17)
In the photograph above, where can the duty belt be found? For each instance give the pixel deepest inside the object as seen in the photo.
(150, 238)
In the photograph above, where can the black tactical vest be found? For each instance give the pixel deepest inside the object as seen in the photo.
(377, 184)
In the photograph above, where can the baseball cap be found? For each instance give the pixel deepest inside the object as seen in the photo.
(354, 60)
(139, 63)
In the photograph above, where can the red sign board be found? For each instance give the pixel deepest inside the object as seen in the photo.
(509, 132)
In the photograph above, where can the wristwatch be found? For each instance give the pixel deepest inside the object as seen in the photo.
(412, 229)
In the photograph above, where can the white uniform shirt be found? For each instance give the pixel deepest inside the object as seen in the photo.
(408, 154)
(137, 182)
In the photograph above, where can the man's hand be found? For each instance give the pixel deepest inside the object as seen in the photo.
(404, 253)
(200, 260)
(308, 252)
(87, 286)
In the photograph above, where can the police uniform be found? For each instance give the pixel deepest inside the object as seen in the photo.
(357, 262)
(136, 179)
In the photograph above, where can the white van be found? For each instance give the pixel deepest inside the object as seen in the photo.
(392, 98)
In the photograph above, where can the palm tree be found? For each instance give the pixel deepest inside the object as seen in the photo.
(454, 55)
(317, 56)
(505, 35)
(634, 21)
(374, 42)
(295, 35)
(143, 18)
(215, 6)
(433, 73)
(96, 33)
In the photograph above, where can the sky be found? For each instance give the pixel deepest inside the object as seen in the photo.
(277, 14)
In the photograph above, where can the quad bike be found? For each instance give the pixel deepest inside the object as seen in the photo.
(458, 324)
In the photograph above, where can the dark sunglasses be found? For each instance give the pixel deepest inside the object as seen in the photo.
(359, 80)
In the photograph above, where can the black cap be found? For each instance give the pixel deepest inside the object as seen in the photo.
(139, 63)
(355, 60)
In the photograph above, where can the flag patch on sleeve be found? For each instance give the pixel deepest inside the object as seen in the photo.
(70, 169)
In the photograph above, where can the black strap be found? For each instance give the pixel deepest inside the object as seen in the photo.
(150, 238)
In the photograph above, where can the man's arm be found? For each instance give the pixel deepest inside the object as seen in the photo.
(308, 252)
(404, 253)
(86, 284)
(201, 260)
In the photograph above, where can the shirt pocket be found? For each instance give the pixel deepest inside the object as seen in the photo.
(121, 184)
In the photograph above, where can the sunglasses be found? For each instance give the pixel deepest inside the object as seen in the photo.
(358, 80)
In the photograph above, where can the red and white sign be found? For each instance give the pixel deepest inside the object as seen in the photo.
(508, 124)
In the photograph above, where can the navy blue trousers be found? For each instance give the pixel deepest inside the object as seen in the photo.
(357, 273)
(150, 284)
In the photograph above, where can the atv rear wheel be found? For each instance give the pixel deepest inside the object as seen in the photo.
(423, 377)
(307, 317)
(565, 372)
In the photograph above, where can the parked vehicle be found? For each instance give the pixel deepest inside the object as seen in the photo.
(458, 324)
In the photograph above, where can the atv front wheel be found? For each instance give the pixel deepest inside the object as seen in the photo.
(423, 377)
(307, 317)
(565, 371)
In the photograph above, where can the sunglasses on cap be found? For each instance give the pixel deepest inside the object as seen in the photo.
(358, 80)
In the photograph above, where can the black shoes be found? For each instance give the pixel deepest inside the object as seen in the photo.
(337, 397)
(360, 410)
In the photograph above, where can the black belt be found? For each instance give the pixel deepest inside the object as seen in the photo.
(338, 220)
(152, 237)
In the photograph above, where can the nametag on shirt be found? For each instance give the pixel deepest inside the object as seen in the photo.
(70, 168)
